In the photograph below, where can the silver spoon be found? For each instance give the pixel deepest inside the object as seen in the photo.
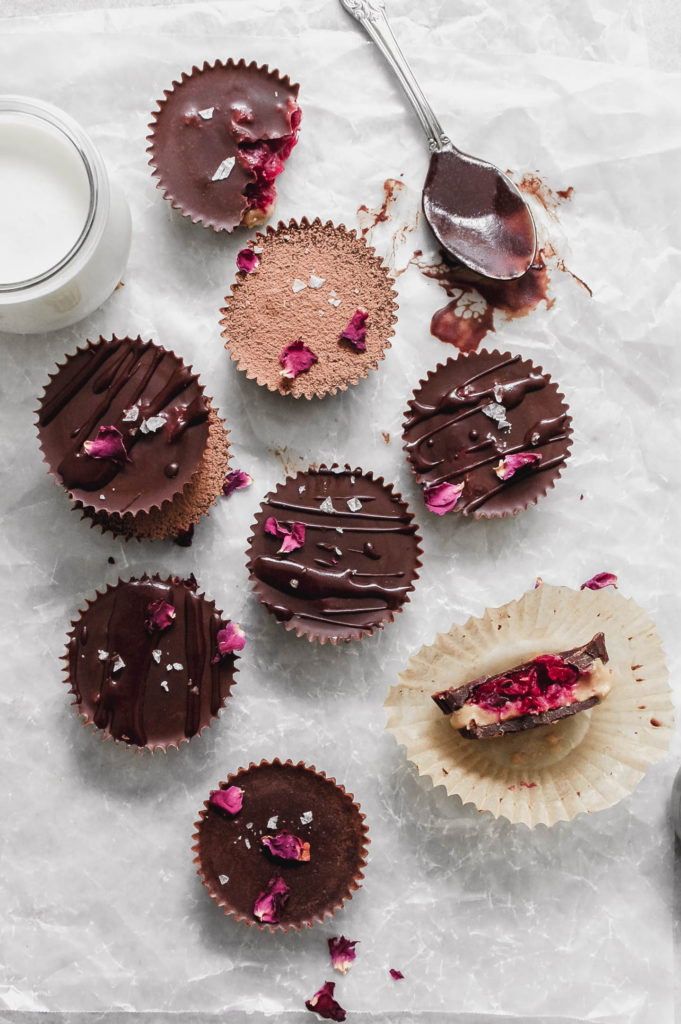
(475, 211)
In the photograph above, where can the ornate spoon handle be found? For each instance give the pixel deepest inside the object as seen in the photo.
(371, 16)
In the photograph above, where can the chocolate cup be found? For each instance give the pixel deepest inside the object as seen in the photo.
(461, 435)
(130, 704)
(95, 387)
(337, 835)
(263, 315)
(186, 148)
(347, 580)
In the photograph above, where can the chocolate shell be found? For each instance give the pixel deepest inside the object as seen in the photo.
(174, 446)
(235, 866)
(219, 138)
(357, 565)
(473, 412)
(143, 686)
(310, 280)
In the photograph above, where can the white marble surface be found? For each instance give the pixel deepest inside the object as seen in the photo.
(102, 910)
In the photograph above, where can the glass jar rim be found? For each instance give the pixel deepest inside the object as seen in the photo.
(29, 108)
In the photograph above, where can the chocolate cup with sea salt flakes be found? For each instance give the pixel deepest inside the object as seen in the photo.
(334, 554)
(150, 662)
(126, 429)
(487, 434)
(219, 139)
(314, 852)
(313, 313)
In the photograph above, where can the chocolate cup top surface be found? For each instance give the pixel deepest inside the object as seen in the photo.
(310, 280)
(124, 383)
(214, 114)
(358, 562)
(167, 688)
(450, 439)
(304, 802)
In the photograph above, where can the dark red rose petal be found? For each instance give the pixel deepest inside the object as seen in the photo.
(324, 1004)
(159, 616)
(600, 580)
(270, 903)
(342, 952)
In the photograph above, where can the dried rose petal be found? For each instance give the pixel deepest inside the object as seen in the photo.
(230, 800)
(287, 846)
(184, 538)
(159, 615)
(230, 639)
(237, 480)
(296, 358)
(342, 952)
(538, 582)
(600, 580)
(509, 466)
(247, 260)
(107, 445)
(292, 539)
(356, 332)
(442, 497)
(397, 975)
(271, 900)
(324, 1004)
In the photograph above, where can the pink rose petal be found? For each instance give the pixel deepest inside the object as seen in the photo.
(397, 975)
(538, 582)
(324, 1004)
(230, 800)
(159, 616)
(356, 332)
(237, 480)
(296, 358)
(292, 538)
(342, 952)
(247, 260)
(230, 639)
(287, 846)
(509, 466)
(442, 497)
(270, 903)
(600, 580)
(107, 445)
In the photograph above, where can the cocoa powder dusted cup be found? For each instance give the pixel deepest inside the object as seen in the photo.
(126, 429)
(280, 846)
(220, 138)
(150, 662)
(312, 310)
(334, 554)
(487, 434)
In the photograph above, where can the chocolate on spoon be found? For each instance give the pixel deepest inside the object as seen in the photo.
(474, 210)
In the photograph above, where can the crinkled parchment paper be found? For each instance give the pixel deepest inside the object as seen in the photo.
(101, 905)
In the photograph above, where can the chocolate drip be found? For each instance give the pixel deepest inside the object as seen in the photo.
(123, 383)
(147, 700)
(450, 439)
(363, 582)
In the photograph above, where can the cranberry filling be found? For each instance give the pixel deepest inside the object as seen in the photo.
(548, 683)
(266, 158)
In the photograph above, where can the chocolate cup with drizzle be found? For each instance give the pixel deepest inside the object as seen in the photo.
(357, 564)
(171, 441)
(470, 415)
(146, 686)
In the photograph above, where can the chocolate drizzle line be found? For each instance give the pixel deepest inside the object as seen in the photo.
(448, 437)
(372, 564)
(96, 387)
(129, 703)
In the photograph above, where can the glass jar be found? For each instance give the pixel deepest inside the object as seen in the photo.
(64, 225)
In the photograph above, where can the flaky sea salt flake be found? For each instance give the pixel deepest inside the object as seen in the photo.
(206, 113)
(164, 685)
(327, 506)
(223, 879)
(102, 655)
(306, 818)
(316, 282)
(225, 169)
(298, 285)
(156, 655)
(272, 823)
(118, 664)
(497, 412)
(354, 504)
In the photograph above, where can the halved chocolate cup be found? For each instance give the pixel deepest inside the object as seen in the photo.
(218, 140)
